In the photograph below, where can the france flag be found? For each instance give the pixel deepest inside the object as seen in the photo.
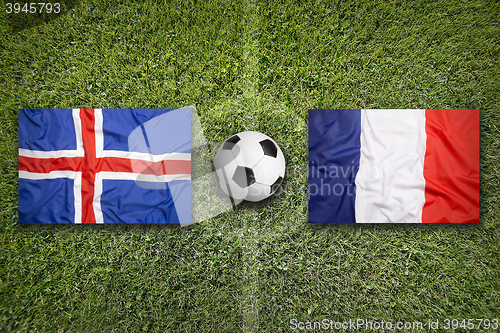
(393, 166)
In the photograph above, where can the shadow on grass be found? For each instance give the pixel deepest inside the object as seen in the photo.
(22, 20)
(105, 225)
(425, 227)
(108, 227)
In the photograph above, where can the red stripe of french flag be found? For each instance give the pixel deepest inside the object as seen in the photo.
(451, 167)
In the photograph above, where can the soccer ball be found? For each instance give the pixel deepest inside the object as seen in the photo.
(250, 166)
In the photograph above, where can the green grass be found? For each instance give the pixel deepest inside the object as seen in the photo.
(250, 66)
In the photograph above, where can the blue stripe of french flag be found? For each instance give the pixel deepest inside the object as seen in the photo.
(393, 166)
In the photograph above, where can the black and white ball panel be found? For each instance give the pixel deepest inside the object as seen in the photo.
(243, 176)
(276, 184)
(229, 143)
(252, 153)
(269, 148)
(258, 192)
(227, 183)
(224, 157)
(267, 170)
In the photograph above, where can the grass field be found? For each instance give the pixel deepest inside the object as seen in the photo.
(250, 65)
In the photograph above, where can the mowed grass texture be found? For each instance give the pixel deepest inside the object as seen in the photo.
(250, 65)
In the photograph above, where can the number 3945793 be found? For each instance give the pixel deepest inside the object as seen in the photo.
(32, 8)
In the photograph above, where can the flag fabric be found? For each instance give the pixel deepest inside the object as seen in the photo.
(394, 166)
(104, 166)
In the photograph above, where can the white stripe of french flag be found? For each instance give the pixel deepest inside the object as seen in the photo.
(407, 166)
